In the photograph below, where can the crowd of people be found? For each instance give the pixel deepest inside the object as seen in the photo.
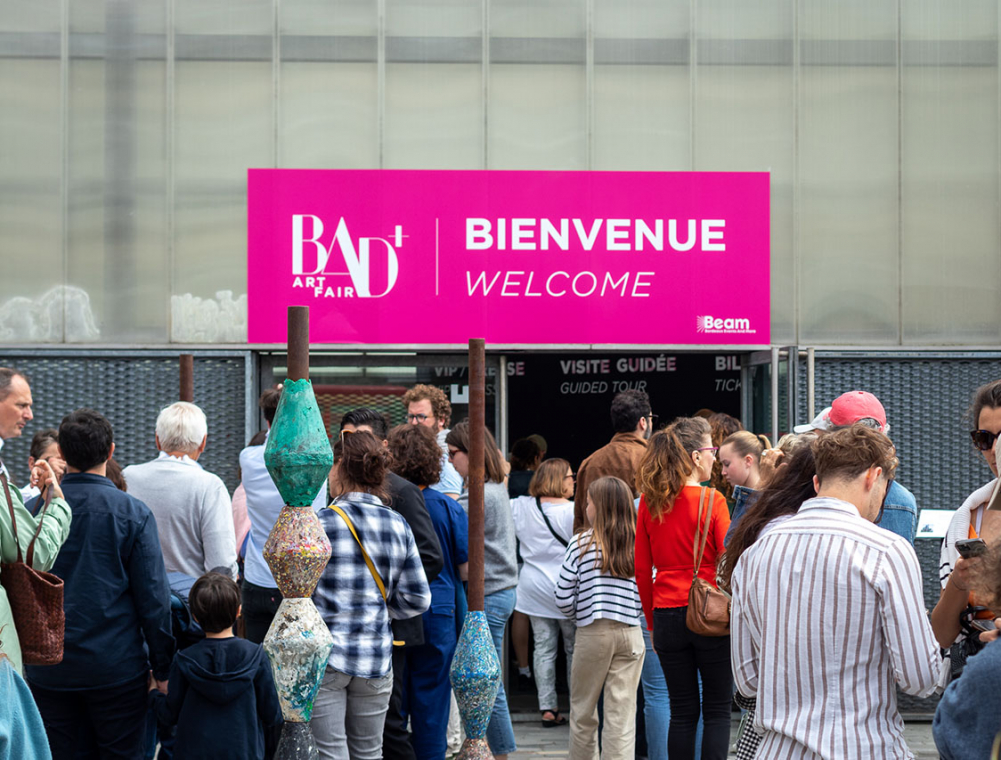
(621, 565)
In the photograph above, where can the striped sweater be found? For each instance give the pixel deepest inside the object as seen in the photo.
(584, 593)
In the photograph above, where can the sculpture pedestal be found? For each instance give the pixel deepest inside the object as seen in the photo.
(476, 677)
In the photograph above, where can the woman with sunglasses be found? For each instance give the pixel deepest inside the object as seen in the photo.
(677, 461)
(499, 563)
(955, 617)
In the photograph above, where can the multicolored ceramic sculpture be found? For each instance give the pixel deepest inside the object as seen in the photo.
(475, 675)
(298, 643)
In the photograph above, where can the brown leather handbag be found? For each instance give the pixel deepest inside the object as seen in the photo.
(35, 597)
(708, 607)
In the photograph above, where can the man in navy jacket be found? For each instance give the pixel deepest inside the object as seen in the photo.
(117, 603)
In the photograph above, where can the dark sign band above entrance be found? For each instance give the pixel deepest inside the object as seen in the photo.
(437, 257)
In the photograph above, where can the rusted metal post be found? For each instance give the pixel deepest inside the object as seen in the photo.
(187, 378)
(476, 671)
(298, 343)
(477, 437)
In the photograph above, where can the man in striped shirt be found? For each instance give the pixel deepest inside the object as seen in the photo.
(828, 615)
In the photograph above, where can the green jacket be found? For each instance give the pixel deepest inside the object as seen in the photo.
(55, 530)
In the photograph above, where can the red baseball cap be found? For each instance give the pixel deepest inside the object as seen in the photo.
(856, 405)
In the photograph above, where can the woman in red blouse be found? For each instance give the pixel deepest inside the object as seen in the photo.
(678, 459)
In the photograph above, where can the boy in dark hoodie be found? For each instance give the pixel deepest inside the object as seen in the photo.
(221, 695)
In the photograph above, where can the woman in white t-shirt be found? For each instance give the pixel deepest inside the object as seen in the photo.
(543, 523)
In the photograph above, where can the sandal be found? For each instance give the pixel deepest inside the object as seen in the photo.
(557, 719)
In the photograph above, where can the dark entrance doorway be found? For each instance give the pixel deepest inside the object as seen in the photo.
(566, 397)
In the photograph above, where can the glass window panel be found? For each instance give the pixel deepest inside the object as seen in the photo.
(89, 16)
(434, 116)
(224, 17)
(642, 118)
(530, 18)
(30, 199)
(223, 126)
(223, 121)
(328, 116)
(117, 212)
(848, 174)
(949, 173)
(537, 117)
(31, 16)
(210, 274)
(354, 18)
(642, 19)
(744, 119)
(642, 85)
(434, 18)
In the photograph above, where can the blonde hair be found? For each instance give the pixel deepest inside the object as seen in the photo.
(614, 528)
(548, 479)
(744, 443)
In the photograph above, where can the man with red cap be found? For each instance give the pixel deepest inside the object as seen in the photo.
(900, 510)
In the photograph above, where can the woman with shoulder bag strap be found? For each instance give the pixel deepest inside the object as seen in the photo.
(676, 512)
(543, 523)
(374, 574)
(45, 534)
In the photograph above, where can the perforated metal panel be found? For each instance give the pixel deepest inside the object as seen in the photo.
(926, 402)
(337, 400)
(130, 391)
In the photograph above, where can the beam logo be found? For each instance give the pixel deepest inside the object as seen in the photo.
(720, 326)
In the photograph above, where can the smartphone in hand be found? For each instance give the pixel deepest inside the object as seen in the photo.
(971, 547)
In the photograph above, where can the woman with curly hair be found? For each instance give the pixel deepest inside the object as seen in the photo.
(417, 458)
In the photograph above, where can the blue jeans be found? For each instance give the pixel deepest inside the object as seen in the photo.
(657, 705)
(498, 608)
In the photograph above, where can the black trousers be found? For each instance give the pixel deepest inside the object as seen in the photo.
(684, 656)
(106, 723)
(395, 737)
(260, 605)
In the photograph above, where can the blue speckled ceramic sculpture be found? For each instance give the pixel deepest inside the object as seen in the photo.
(476, 677)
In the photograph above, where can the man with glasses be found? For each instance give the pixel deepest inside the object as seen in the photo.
(632, 423)
(900, 512)
(428, 406)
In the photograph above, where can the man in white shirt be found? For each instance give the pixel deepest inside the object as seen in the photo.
(260, 595)
(828, 615)
(194, 515)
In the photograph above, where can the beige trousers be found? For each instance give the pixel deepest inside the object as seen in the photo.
(608, 655)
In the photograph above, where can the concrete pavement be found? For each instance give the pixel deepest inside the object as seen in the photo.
(536, 742)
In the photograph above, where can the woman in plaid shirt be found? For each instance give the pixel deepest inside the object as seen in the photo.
(359, 677)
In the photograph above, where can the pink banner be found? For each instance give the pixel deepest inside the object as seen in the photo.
(438, 257)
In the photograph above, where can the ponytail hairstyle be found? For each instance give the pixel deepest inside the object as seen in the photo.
(668, 464)
(614, 528)
(363, 465)
(744, 443)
